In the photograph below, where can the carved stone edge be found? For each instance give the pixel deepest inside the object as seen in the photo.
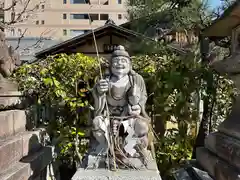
(215, 166)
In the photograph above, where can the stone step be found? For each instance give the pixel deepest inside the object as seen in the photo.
(30, 167)
(12, 122)
(14, 148)
(224, 146)
(215, 166)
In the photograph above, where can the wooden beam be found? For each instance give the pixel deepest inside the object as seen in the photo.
(84, 40)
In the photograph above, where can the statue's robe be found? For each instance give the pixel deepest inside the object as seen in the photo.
(136, 94)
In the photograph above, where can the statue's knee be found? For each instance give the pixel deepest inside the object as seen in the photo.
(98, 133)
(97, 122)
(141, 128)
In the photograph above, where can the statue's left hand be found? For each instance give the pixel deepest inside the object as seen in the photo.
(135, 110)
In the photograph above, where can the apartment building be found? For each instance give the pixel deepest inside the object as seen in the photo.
(63, 19)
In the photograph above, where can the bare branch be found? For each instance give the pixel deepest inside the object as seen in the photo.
(19, 39)
(14, 3)
(39, 40)
(18, 17)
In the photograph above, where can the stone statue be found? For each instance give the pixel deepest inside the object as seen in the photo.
(120, 120)
(8, 62)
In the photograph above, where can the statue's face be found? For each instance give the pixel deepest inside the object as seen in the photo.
(120, 65)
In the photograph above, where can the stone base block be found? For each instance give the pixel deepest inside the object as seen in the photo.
(225, 147)
(9, 98)
(31, 167)
(215, 166)
(231, 125)
(12, 122)
(14, 148)
(95, 162)
(120, 174)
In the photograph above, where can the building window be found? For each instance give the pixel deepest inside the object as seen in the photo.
(119, 16)
(64, 16)
(43, 22)
(104, 17)
(37, 6)
(64, 32)
(105, 3)
(19, 32)
(79, 16)
(12, 32)
(94, 17)
(1, 18)
(43, 6)
(37, 22)
(76, 32)
(119, 1)
(64, 1)
(79, 1)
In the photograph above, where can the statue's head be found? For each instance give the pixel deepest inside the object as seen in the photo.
(120, 62)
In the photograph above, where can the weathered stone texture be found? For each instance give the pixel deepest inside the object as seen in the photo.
(183, 174)
(18, 171)
(13, 149)
(225, 147)
(215, 166)
(12, 122)
(29, 167)
(121, 174)
(9, 98)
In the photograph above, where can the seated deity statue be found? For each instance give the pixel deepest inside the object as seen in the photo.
(120, 120)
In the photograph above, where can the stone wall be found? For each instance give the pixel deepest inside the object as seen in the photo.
(23, 155)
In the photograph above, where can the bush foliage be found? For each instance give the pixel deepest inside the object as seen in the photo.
(175, 85)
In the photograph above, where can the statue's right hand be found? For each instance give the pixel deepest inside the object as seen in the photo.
(102, 86)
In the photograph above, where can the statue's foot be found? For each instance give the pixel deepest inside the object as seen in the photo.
(95, 161)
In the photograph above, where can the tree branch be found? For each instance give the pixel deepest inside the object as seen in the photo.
(16, 18)
(19, 39)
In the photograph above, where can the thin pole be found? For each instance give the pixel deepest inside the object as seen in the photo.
(111, 144)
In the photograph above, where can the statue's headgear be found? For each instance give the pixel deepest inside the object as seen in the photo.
(120, 51)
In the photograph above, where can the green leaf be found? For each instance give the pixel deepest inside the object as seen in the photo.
(81, 133)
(48, 81)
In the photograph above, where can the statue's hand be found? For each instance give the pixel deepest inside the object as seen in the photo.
(135, 110)
(102, 86)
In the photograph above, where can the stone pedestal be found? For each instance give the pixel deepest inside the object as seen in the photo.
(121, 174)
(220, 154)
(102, 173)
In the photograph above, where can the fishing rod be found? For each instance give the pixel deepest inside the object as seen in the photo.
(110, 136)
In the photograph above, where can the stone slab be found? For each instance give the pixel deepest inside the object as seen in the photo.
(12, 122)
(14, 148)
(120, 174)
(202, 174)
(215, 166)
(181, 174)
(9, 98)
(29, 167)
(93, 162)
(18, 171)
(196, 174)
(224, 146)
(231, 125)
